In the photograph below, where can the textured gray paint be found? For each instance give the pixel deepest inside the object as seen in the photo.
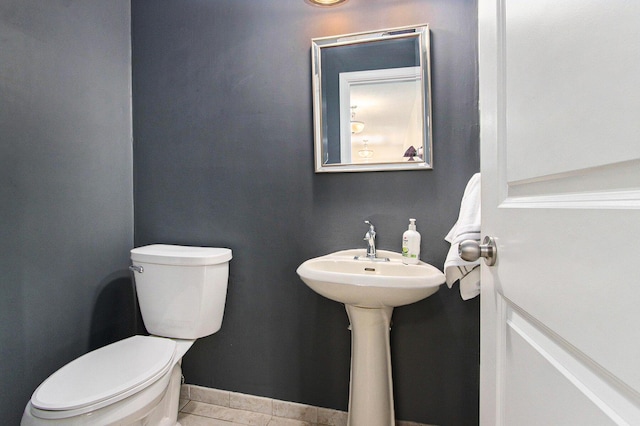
(66, 204)
(223, 156)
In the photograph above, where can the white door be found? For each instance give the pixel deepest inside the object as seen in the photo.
(560, 136)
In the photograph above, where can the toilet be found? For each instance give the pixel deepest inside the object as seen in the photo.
(136, 381)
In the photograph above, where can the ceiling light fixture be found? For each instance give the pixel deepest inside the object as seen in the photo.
(365, 152)
(325, 2)
(356, 126)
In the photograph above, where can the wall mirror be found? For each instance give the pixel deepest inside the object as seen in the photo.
(372, 101)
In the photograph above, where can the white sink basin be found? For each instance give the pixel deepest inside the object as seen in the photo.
(370, 290)
(370, 284)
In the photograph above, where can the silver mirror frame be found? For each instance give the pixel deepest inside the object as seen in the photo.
(421, 33)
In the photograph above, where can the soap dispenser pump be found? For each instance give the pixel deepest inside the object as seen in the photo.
(411, 244)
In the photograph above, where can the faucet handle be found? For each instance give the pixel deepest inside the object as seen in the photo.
(371, 233)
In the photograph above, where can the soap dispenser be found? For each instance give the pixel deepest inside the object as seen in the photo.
(411, 244)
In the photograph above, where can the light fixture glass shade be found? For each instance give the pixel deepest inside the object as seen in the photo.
(357, 126)
(365, 152)
(325, 2)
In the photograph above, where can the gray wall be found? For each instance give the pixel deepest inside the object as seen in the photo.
(66, 204)
(223, 157)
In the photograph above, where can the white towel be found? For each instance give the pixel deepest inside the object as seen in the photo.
(467, 227)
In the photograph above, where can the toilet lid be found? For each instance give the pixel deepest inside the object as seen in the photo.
(164, 254)
(117, 370)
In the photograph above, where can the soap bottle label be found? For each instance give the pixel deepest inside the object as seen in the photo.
(405, 248)
(411, 247)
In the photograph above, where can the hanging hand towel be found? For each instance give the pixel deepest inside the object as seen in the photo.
(467, 227)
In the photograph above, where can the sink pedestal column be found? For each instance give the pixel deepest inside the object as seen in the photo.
(371, 388)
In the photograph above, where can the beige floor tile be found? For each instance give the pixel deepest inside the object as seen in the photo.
(184, 392)
(329, 417)
(208, 395)
(228, 414)
(193, 420)
(292, 410)
(182, 403)
(213, 407)
(257, 404)
(279, 421)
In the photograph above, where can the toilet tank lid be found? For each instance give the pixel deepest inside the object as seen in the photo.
(116, 370)
(165, 254)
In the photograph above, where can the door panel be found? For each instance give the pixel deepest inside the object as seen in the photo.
(549, 401)
(567, 115)
(560, 135)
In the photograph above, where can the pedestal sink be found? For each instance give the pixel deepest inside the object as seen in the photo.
(370, 290)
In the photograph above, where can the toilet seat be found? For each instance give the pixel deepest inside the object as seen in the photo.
(104, 376)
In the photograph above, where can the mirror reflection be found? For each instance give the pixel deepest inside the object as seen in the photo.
(372, 101)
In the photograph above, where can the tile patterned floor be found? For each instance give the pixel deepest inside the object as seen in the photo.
(200, 406)
(201, 414)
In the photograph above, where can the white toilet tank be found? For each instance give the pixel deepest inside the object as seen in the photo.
(181, 290)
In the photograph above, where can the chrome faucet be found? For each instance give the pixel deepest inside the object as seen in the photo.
(370, 238)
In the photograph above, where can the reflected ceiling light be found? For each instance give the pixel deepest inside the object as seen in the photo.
(356, 126)
(325, 2)
(365, 152)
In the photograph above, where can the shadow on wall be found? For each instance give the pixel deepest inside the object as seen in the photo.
(116, 314)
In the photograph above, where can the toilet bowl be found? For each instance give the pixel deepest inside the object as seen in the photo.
(136, 381)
